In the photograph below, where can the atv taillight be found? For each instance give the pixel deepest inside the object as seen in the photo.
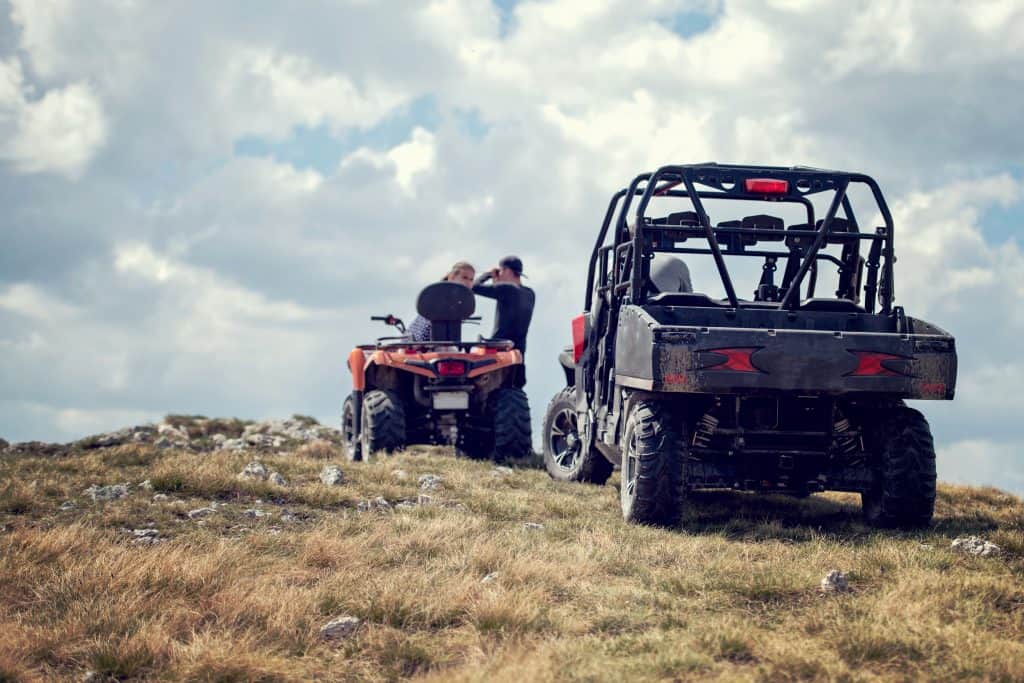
(579, 337)
(766, 186)
(872, 363)
(450, 368)
(737, 360)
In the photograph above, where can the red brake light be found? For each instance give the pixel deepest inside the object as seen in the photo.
(579, 341)
(737, 360)
(870, 363)
(766, 186)
(450, 368)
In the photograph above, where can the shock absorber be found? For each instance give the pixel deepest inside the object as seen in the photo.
(704, 430)
(845, 442)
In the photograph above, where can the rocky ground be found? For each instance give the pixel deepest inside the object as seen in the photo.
(212, 549)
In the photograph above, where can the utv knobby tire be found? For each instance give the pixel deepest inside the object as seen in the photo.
(564, 457)
(511, 414)
(353, 448)
(653, 486)
(383, 423)
(903, 492)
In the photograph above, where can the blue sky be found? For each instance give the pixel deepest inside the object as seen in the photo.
(208, 230)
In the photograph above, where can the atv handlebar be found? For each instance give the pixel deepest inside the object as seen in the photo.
(389, 319)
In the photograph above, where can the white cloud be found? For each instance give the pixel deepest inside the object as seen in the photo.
(60, 132)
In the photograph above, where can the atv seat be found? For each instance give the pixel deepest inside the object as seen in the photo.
(446, 305)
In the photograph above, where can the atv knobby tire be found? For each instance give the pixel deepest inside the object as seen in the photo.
(383, 423)
(903, 492)
(353, 448)
(564, 456)
(511, 414)
(653, 485)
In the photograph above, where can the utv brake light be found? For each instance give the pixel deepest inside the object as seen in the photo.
(450, 368)
(579, 341)
(766, 186)
(737, 360)
(872, 363)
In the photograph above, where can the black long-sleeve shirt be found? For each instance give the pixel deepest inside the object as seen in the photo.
(513, 311)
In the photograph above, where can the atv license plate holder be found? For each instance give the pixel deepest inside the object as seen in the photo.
(451, 400)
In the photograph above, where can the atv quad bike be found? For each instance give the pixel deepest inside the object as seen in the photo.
(440, 391)
(790, 392)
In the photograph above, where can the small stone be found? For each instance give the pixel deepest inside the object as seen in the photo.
(430, 482)
(199, 513)
(399, 474)
(147, 485)
(104, 493)
(405, 505)
(834, 582)
(160, 497)
(254, 512)
(424, 499)
(218, 439)
(501, 471)
(976, 546)
(533, 526)
(276, 479)
(234, 445)
(67, 505)
(340, 628)
(288, 516)
(173, 433)
(254, 471)
(145, 533)
(163, 443)
(490, 578)
(331, 475)
(379, 504)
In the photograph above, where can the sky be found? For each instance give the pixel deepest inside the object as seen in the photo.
(203, 203)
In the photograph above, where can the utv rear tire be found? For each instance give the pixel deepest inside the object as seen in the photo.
(353, 449)
(653, 486)
(383, 423)
(563, 454)
(903, 493)
(511, 412)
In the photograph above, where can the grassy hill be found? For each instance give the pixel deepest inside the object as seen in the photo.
(466, 586)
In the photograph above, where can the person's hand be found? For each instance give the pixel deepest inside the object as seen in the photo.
(494, 273)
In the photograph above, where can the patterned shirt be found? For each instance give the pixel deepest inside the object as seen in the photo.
(419, 329)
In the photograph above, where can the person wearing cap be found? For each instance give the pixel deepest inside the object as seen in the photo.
(514, 304)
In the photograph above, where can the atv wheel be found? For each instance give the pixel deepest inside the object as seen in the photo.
(383, 423)
(903, 492)
(564, 457)
(653, 482)
(353, 449)
(511, 413)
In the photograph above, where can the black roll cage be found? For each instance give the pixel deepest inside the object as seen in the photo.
(633, 247)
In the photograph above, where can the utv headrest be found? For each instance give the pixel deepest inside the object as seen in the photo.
(764, 222)
(688, 221)
(446, 301)
(841, 229)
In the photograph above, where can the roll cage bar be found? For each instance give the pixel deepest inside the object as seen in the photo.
(633, 245)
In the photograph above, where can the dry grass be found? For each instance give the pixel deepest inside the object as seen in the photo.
(731, 595)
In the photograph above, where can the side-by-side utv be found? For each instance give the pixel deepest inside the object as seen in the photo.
(791, 391)
(441, 391)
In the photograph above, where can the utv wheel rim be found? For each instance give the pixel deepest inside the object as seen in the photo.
(564, 439)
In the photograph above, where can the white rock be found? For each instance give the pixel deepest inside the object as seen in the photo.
(160, 497)
(340, 628)
(424, 499)
(254, 512)
(112, 492)
(834, 582)
(218, 439)
(976, 546)
(331, 475)
(146, 485)
(67, 505)
(502, 471)
(199, 513)
(379, 504)
(289, 516)
(173, 433)
(399, 474)
(430, 482)
(234, 445)
(490, 578)
(256, 471)
(276, 479)
(533, 526)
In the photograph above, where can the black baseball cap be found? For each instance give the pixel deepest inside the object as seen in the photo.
(513, 263)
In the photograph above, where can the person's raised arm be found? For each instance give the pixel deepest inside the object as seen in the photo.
(481, 286)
